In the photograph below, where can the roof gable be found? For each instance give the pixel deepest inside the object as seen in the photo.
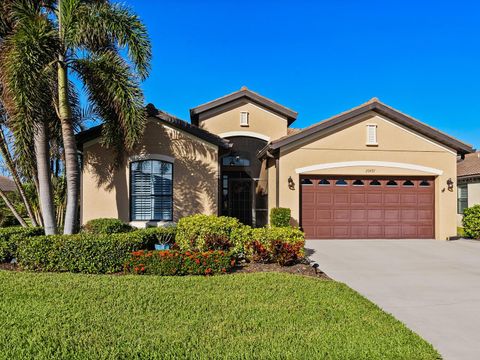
(247, 94)
(390, 113)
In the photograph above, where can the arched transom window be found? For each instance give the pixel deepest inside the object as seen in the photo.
(151, 194)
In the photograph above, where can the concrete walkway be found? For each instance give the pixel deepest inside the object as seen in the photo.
(432, 286)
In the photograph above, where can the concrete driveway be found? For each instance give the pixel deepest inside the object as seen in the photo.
(432, 286)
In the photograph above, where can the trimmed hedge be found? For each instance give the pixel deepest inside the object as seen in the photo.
(84, 253)
(284, 245)
(9, 238)
(106, 226)
(280, 217)
(170, 263)
(471, 222)
(209, 232)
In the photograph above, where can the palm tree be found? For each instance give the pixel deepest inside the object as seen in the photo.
(86, 39)
(26, 49)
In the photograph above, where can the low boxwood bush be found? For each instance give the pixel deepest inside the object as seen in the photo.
(280, 217)
(172, 262)
(283, 245)
(106, 226)
(209, 232)
(9, 238)
(84, 253)
(161, 235)
(471, 222)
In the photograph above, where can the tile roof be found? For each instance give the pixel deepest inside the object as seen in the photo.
(470, 166)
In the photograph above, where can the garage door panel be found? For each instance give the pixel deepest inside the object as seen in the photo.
(392, 215)
(359, 231)
(341, 214)
(340, 199)
(323, 198)
(375, 215)
(392, 231)
(398, 210)
(323, 215)
(374, 198)
(358, 199)
(390, 199)
(357, 215)
(341, 231)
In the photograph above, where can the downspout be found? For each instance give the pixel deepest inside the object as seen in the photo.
(277, 182)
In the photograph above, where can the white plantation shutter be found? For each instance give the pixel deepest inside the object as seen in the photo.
(151, 190)
(372, 134)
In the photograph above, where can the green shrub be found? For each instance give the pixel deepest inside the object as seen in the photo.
(85, 253)
(471, 222)
(179, 262)
(161, 235)
(199, 232)
(9, 238)
(280, 217)
(106, 226)
(284, 245)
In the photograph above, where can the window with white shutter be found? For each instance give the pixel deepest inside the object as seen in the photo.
(244, 118)
(372, 134)
(151, 185)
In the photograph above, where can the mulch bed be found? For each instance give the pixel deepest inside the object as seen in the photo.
(304, 269)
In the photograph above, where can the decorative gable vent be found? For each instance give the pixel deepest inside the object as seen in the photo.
(372, 134)
(244, 118)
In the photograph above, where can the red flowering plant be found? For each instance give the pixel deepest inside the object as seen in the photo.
(284, 245)
(175, 262)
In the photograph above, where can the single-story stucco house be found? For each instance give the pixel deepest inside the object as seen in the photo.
(369, 172)
(468, 188)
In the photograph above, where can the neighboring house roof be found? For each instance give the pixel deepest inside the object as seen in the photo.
(171, 120)
(244, 93)
(7, 184)
(373, 105)
(469, 166)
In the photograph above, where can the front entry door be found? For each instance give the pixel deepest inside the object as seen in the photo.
(240, 199)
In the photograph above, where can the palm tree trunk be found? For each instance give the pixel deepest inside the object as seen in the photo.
(12, 209)
(70, 148)
(13, 171)
(42, 155)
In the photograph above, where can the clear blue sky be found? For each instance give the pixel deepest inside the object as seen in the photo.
(320, 57)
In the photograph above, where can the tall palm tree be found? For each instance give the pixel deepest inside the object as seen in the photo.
(86, 41)
(27, 45)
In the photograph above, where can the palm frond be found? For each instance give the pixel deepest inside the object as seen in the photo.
(116, 95)
(101, 26)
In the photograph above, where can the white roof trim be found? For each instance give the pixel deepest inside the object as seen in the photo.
(244, 133)
(326, 166)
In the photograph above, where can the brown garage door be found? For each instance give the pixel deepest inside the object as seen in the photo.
(367, 208)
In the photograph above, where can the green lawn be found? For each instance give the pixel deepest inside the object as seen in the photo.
(254, 316)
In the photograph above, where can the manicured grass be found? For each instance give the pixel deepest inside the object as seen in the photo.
(247, 316)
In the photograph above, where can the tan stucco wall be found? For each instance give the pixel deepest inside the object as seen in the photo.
(395, 144)
(104, 189)
(227, 119)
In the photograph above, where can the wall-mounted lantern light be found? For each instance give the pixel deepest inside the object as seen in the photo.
(291, 184)
(450, 184)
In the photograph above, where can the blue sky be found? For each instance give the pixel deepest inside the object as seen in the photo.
(320, 57)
